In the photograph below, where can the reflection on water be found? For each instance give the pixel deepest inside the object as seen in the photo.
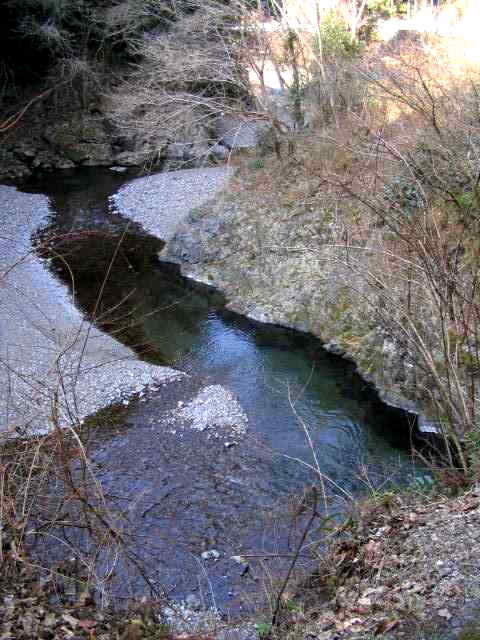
(293, 391)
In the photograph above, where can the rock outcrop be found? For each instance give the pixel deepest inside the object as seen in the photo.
(45, 142)
(275, 263)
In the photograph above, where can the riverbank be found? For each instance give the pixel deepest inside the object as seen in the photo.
(272, 247)
(405, 566)
(275, 261)
(162, 201)
(55, 366)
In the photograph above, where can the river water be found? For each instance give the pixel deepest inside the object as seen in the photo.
(185, 494)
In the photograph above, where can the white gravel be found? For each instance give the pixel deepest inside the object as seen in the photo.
(215, 410)
(161, 201)
(182, 619)
(51, 359)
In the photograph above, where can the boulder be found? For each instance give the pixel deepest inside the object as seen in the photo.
(94, 155)
(64, 163)
(84, 140)
(138, 158)
(13, 169)
(25, 152)
(176, 151)
(220, 152)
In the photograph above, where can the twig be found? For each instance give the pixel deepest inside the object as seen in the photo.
(275, 617)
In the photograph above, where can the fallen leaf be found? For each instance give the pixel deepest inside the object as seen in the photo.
(50, 620)
(87, 624)
(372, 551)
(73, 622)
(385, 626)
(361, 610)
(365, 602)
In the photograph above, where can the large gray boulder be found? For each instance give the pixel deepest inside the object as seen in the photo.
(83, 140)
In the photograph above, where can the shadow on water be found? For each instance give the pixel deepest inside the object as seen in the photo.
(193, 494)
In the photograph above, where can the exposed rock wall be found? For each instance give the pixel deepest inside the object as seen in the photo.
(277, 264)
(49, 140)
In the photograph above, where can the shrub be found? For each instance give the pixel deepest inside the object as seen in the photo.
(417, 179)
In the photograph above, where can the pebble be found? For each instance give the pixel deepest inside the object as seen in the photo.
(182, 618)
(193, 602)
(213, 554)
(217, 409)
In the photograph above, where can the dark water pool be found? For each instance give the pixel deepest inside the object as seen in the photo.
(305, 406)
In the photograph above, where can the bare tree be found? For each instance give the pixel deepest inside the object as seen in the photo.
(418, 181)
(187, 76)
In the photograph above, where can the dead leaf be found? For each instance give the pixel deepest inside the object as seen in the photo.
(365, 602)
(385, 626)
(373, 591)
(73, 622)
(361, 610)
(372, 551)
(50, 620)
(87, 624)
(352, 622)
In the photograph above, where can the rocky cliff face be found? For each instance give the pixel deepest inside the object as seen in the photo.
(48, 140)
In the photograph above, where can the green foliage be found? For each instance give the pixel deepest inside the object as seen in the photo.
(470, 632)
(263, 629)
(382, 8)
(466, 200)
(402, 194)
(266, 140)
(424, 484)
(375, 11)
(331, 584)
(336, 38)
(257, 163)
(297, 90)
(472, 447)
(293, 606)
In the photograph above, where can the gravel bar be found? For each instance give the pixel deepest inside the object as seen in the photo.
(160, 202)
(52, 360)
(215, 410)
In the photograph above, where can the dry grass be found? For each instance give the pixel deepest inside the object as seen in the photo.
(392, 186)
(404, 172)
(51, 502)
(404, 566)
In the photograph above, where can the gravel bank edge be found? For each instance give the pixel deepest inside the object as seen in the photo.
(48, 350)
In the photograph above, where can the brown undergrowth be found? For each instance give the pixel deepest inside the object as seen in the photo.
(404, 566)
(386, 200)
(48, 489)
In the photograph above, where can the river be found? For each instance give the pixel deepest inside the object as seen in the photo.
(185, 493)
